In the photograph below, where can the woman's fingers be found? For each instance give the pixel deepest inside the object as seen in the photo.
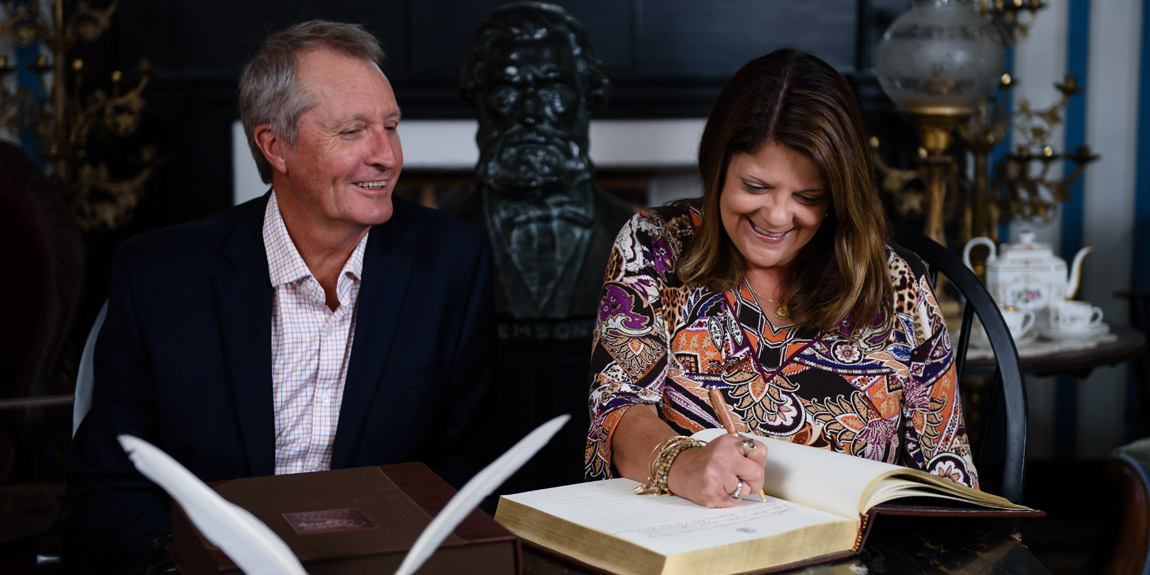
(714, 474)
(747, 457)
(747, 462)
(758, 453)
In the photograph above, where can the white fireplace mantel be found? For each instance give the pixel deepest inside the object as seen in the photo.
(449, 145)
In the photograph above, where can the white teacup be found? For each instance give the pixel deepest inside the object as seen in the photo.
(1018, 321)
(1074, 316)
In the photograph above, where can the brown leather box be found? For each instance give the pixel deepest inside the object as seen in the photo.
(353, 521)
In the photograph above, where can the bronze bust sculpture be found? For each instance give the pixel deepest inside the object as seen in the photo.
(534, 81)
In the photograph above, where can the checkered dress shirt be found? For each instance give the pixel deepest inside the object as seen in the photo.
(311, 345)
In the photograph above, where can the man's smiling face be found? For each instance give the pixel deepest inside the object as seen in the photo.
(347, 157)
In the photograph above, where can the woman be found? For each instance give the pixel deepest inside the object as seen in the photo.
(779, 289)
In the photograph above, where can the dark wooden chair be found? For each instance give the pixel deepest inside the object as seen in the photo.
(44, 261)
(1006, 426)
(1128, 470)
(44, 258)
(82, 401)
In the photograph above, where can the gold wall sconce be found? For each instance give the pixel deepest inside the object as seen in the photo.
(69, 116)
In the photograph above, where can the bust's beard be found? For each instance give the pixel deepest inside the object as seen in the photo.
(533, 165)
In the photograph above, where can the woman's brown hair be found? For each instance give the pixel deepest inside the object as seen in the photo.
(796, 100)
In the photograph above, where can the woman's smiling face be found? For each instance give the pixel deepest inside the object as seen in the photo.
(772, 203)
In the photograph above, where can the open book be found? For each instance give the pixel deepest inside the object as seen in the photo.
(818, 508)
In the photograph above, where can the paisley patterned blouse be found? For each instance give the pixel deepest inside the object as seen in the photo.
(888, 395)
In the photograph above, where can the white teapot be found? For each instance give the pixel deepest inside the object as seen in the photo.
(1027, 275)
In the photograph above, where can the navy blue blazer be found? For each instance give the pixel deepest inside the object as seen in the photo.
(184, 361)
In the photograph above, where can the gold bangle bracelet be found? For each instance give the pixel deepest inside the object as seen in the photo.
(663, 456)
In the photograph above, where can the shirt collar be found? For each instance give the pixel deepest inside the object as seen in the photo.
(285, 265)
(354, 266)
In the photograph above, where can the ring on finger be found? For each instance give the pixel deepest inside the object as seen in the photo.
(748, 445)
(738, 491)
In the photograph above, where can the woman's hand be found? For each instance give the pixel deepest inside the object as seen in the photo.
(705, 475)
(710, 475)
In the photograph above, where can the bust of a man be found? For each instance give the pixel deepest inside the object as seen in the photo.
(534, 81)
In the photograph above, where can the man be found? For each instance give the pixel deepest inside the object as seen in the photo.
(534, 80)
(324, 325)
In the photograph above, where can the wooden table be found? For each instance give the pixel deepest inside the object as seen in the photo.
(1130, 344)
(910, 545)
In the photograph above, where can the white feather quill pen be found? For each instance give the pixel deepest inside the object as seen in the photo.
(474, 491)
(257, 550)
(247, 541)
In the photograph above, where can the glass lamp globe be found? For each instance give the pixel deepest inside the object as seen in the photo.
(939, 58)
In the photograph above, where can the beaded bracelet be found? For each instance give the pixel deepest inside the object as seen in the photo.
(662, 457)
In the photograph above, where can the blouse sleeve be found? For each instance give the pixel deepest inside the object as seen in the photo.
(934, 430)
(629, 355)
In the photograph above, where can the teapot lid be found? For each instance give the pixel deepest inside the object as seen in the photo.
(1026, 241)
(1028, 253)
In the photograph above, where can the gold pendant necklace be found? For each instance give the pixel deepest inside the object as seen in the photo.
(781, 310)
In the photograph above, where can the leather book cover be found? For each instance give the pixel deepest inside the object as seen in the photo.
(950, 509)
(353, 521)
(936, 508)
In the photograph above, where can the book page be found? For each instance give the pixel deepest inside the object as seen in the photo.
(825, 480)
(846, 485)
(915, 482)
(669, 525)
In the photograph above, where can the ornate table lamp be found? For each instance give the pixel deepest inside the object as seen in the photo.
(938, 62)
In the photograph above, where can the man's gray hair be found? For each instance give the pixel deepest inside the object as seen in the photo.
(269, 92)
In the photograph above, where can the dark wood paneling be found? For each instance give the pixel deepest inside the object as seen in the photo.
(214, 38)
(710, 40)
(439, 46)
(668, 58)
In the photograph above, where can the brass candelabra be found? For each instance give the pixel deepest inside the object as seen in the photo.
(1023, 186)
(69, 117)
(936, 126)
(1012, 18)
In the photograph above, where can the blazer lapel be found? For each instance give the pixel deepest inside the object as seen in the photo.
(244, 308)
(387, 263)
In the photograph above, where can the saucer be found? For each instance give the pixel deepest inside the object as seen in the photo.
(978, 338)
(1059, 335)
(1028, 338)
